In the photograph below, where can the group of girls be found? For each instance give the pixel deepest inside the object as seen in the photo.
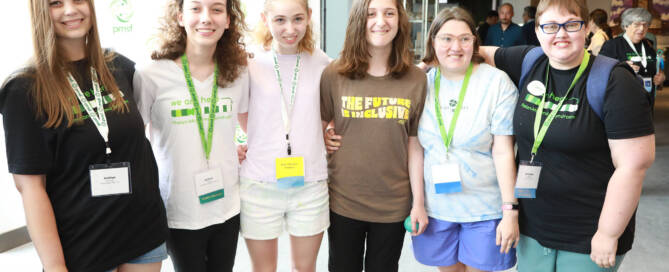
(438, 148)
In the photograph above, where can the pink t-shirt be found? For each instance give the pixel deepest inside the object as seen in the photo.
(266, 133)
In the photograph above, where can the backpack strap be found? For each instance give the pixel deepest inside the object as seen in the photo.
(597, 82)
(528, 62)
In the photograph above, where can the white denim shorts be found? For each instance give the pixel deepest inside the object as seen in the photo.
(267, 209)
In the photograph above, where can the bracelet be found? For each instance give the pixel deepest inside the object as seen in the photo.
(509, 207)
(511, 203)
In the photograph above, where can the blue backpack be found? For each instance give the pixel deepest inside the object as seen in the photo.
(599, 73)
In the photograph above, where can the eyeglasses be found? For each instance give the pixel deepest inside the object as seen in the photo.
(466, 40)
(639, 25)
(571, 26)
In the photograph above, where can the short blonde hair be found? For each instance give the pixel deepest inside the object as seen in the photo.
(576, 7)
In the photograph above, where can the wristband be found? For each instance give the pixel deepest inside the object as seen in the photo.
(509, 207)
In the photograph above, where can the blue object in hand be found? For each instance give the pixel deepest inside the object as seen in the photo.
(407, 224)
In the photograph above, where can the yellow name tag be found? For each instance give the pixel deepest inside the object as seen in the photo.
(290, 172)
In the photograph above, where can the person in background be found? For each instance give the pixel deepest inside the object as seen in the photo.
(580, 173)
(632, 47)
(77, 150)
(505, 33)
(490, 19)
(190, 97)
(473, 225)
(600, 31)
(529, 34)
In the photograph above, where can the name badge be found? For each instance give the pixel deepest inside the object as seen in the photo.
(110, 179)
(648, 84)
(528, 179)
(290, 172)
(446, 178)
(209, 185)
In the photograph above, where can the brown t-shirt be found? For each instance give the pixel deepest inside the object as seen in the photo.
(369, 176)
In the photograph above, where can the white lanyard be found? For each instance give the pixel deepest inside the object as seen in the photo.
(98, 118)
(644, 60)
(286, 108)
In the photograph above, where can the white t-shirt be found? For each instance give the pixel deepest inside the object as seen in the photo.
(266, 133)
(164, 101)
(487, 111)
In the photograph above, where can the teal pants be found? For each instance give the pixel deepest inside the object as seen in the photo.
(534, 257)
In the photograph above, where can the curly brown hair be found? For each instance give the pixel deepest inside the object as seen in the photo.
(354, 60)
(230, 54)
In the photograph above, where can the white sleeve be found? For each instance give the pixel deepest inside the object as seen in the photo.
(244, 95)
(145, 90)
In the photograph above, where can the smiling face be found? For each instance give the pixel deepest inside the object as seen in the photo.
(205, 21)
(71, 19)
(564, 49)
(287, 21)
(454, 46)
(382, 23)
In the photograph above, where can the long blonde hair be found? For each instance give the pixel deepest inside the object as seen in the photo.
(230, 54)
(53, 96)
(263, 36)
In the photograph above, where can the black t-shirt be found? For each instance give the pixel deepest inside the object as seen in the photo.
(529, 33)
(97, 233)
(619, 49)
(576, 158)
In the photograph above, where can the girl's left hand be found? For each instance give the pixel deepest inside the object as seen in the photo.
(419, 215)
(508, 233)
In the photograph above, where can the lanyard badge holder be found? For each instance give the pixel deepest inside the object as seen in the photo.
(209, 182)
(527, 180)
(290, 169)
(643, 59)
(109, 178)
(446, 177)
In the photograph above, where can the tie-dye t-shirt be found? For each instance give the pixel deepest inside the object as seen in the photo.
(487, 111)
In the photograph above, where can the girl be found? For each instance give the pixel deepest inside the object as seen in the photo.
(466, 129)
(587, 160)
(284, 133)
(191, 96)
(76, 146)
(375, 96)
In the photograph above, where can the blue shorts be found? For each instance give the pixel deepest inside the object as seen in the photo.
(155, 255)
(446, 243)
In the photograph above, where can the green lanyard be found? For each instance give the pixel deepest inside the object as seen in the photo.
(206, 142)
(540, 133)
(437, 107)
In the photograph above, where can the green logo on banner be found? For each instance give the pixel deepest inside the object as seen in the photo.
(122, 11)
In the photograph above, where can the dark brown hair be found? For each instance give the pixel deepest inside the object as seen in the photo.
(354, 60)
(53, 96)
(575, 7)
(264, 37)
(453, 13)
(601, 19)
(230, 54)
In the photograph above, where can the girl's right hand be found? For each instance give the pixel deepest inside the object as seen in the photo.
(241, 152)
